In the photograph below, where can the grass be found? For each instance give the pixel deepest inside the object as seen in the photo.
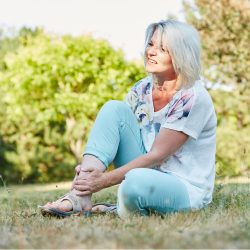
(223, 224)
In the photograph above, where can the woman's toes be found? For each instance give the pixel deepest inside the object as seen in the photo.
(65, 206)
(49, 204)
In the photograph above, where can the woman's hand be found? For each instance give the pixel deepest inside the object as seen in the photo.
(91, 182)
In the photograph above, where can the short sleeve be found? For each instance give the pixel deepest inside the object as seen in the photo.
(186, 113)
(131, 99)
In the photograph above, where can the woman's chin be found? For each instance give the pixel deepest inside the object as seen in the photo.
(150, 70)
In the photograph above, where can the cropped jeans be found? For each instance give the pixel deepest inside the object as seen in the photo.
(116, 137)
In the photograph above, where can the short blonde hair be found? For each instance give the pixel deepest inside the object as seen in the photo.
(183, 44)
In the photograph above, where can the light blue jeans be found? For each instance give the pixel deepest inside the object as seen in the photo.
(116, 137)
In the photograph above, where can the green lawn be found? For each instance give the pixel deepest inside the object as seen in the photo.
(223, 224)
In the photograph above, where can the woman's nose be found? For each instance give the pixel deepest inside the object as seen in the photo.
(152, 51)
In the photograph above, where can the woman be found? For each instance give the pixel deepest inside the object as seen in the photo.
(161, 140)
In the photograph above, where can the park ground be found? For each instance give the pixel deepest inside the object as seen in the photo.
(223, 224)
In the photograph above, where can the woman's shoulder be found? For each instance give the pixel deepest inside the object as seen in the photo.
(140, 94)
(202, 96)
(197, 92)
(193, 101)
(145, 81)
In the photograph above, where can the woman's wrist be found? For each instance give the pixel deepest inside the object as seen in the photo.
(105, 180)
(112, 178)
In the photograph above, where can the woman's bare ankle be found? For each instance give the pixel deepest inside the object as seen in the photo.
(85, 201)
(88, 160)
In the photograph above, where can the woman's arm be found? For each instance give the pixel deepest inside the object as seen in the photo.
(166, 144)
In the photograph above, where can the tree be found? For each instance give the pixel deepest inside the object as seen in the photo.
(53, 88)
(224, 28)
(10, 40)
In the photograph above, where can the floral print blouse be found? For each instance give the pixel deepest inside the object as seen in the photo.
(192, 112)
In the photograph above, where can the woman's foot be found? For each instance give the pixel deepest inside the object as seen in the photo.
(103, 208)
(99, 208)
(67, 206)
(85, 201)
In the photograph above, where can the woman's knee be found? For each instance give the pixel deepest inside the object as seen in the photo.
(113, 105)
(110, 111)
(131, 188)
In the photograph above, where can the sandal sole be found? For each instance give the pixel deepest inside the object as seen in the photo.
(52, 212)
(109, 207)
(104, 204)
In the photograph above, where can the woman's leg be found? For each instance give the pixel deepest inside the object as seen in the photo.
(115, 137)
(146, 190)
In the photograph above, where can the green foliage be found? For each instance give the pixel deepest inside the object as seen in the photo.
(53, 88)
(10, 40)
(7, 44)
(233, 115)
(224, 28)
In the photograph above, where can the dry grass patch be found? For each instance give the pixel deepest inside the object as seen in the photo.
(223, 224)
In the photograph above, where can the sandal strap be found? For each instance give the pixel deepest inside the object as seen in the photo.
(61, 198)
(75, 202)
(110, 210)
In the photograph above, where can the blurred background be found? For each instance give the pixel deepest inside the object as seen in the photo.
(61, 60)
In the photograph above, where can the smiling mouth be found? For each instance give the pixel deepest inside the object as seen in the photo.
(152, 61)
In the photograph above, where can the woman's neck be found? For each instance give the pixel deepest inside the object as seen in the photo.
(162, 95)
(167, 85)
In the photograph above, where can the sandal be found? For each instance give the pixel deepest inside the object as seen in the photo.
(77, 209)
(110, 208)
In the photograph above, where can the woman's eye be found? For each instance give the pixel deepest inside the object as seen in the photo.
(150, 44)
(164, 50)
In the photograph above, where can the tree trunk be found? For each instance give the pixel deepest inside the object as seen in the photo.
(75, 144)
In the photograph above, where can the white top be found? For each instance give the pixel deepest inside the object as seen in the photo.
(192, 112)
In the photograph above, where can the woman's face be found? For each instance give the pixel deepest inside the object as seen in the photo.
(159, 62)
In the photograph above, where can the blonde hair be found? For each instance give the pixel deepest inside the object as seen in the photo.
(183, 44)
